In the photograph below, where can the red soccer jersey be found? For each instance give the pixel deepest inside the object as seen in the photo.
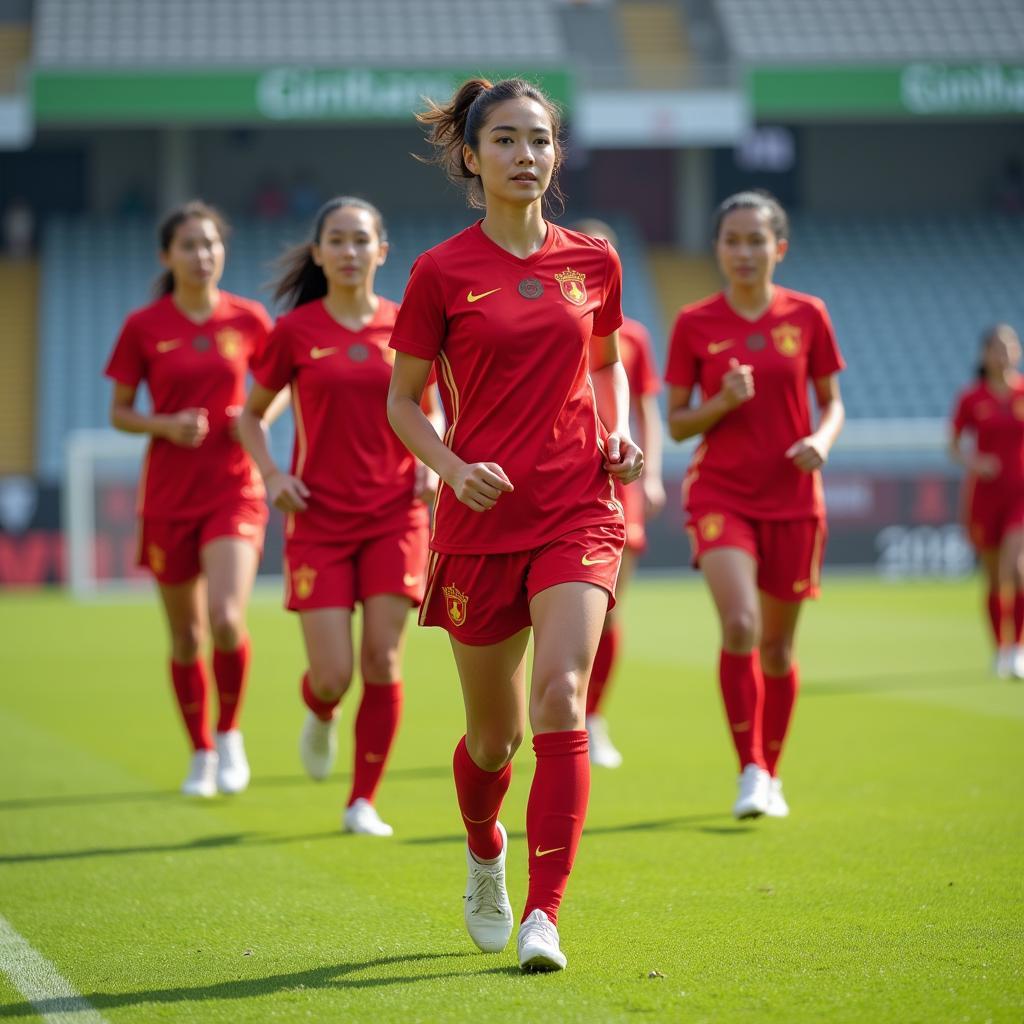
(741, 463)
(511, 341)
(360, 476)
(997, 422)
(193, 366)
(638, 359)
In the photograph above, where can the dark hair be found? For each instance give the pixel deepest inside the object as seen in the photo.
(459, 122)
(299, 279)
(168, 228)
(594, 226)
(752, 199)
(987, 337)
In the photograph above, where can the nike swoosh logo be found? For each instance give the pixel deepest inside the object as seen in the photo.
(543, 853)
(374, 758)
(409, 580)
(715, 347)
(167, 346)
(800, 586)
(319, 353)
(470, 297)
(587, 560)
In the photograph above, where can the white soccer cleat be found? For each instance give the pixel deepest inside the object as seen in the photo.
(362, 819)
(202, 775)
(1016, 662)
(487, 910)
(602, 750)
(752, 800)
(538, 944)
(1003, 666)
(777, 806)
(318, 746)
(232, 765)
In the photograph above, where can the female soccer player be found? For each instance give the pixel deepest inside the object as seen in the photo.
(357, 525)
(515, 311)
(753, 494)
(202, 509)
(641, 501)
(993, 412)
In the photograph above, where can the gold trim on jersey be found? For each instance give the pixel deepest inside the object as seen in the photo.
(429, 591)
(303, 448)
(447, 377)
(819, 539)
(140, 498)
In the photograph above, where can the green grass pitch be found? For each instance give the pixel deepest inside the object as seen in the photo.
(893, 893)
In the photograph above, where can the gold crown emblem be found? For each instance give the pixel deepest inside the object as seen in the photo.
(570, 275)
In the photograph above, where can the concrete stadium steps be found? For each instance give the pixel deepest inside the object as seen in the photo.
(656, 44)
(15, 51)
(680, 279)
(19, 282)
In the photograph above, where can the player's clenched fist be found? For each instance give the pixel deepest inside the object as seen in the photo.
(187, 428)
(286, 492)
(737, 383)
(623, 459)
(480, 484)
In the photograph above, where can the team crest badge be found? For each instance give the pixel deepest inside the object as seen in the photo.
(572, 284)
(455, 601)
(711, 525)
(303, 579)
(157, 558)
(229, 342)
(787, 339)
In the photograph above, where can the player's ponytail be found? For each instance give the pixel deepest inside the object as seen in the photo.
(299, 279)
(458, 123)
(168, 228)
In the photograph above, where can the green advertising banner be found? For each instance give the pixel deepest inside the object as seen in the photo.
(919, 89)
(282, 94)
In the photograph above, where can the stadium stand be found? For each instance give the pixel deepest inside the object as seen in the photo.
(183, 33)
(96, 270)
(17, 364)
(803, 31)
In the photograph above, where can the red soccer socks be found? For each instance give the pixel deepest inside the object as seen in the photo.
(376, 726)
(742, 688)
(323, 709)
(192, 691)
(231, 671)
(779, 700)
(554, 816)
(604, 664)
(480, 794)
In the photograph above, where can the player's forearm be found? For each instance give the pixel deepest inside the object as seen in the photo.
(687, 422)
(833, 416)
(252, 432)
(131, 421)
(417, 433)
(648, 420)
(611, 389)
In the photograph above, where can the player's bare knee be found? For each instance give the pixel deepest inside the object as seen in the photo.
(492, 750)
(227, 627)
(379, 662)
(740, 630)
(330, 683)
(186, 645)
(555, 703)
(776, 657)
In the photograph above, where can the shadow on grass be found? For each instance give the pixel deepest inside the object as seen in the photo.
(687, 821)
(335, 977)
(894, 682)
(155, 795)
(234, 839)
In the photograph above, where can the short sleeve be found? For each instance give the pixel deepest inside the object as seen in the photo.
(609, 317)
(682, 369)
(962, 418)
(274, 364)
(646, 380)
(824, 357)
(127, 363)
(422, 323)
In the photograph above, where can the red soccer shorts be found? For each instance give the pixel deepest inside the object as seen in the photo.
(170, 548)
(788, 552)
(484, 599)
(991, 514)
(338, 574)
(631, 497)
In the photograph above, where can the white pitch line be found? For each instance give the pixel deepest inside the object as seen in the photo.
(49, 992)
